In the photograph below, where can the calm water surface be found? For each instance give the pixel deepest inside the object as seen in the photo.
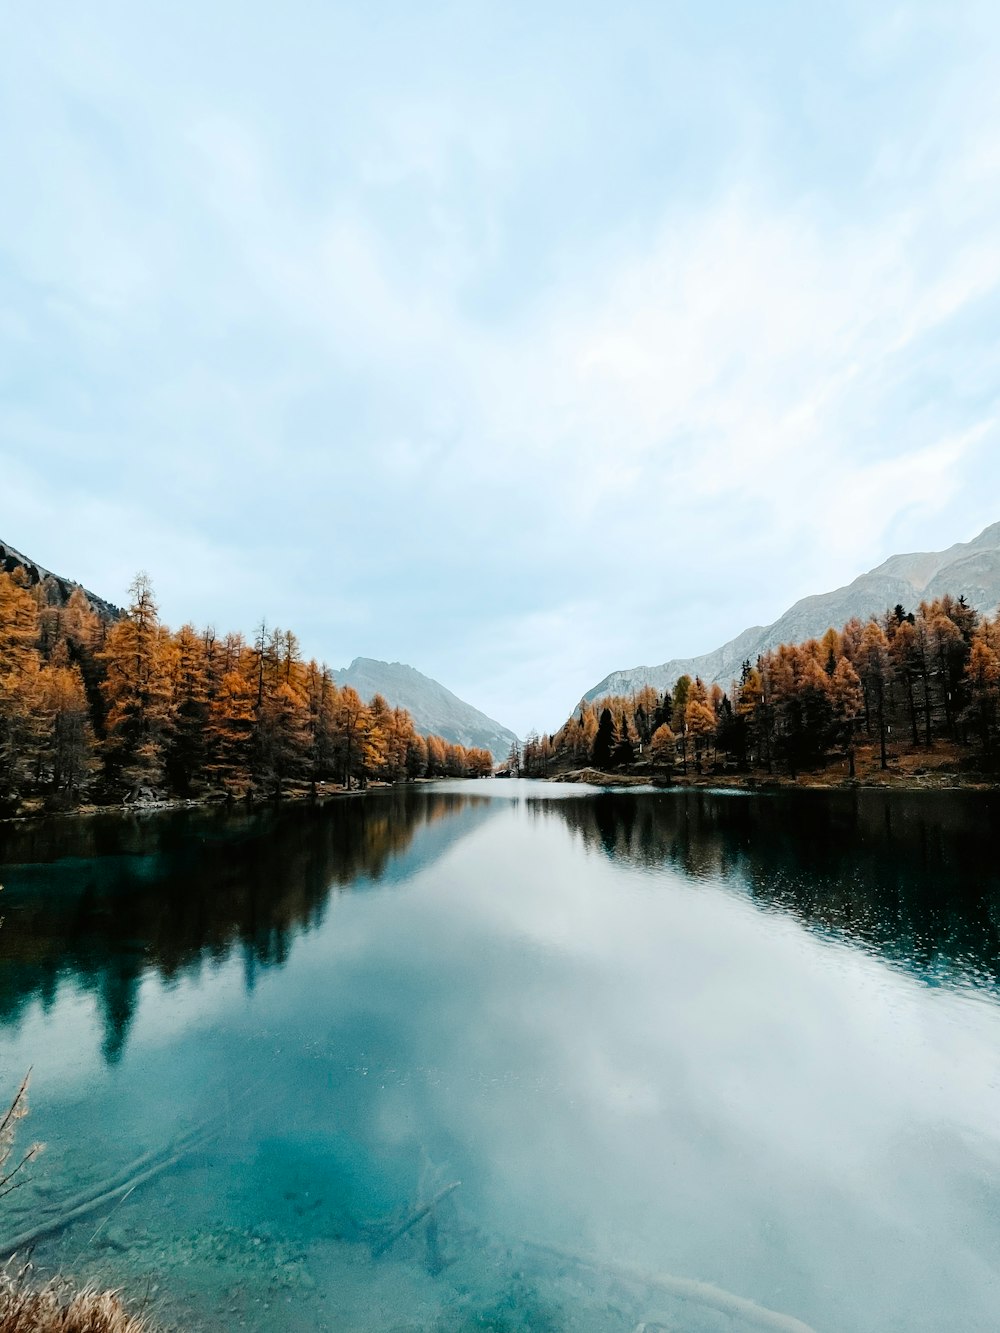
(751, 1041)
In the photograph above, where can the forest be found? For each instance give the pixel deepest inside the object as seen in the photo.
(102, 710)
(919, 681)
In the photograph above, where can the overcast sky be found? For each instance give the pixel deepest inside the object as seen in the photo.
(519, 342)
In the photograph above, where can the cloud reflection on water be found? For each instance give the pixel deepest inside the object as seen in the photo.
(578, 1007)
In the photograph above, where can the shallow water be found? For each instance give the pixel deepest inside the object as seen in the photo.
(748, 1040)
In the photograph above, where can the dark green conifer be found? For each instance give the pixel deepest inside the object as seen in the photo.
(605, 741)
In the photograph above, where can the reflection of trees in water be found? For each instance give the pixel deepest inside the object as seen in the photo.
(913, 876)
(100, 901)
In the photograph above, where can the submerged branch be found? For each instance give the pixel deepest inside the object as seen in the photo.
(413, 1219)
(137, 1173)
(686, 1289)
(60, 1223)
(182, 1144)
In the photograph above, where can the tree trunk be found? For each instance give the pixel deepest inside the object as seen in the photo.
(913, 706)
(881, 725)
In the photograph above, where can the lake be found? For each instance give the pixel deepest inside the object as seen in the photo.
(699, 1061)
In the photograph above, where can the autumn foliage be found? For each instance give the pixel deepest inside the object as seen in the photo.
(910, 679)
(111, 709)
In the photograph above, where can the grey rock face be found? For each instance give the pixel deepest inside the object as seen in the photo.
(971, 569)
(435, 710)
(57, 589)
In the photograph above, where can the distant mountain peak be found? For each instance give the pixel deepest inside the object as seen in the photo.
(969, 568)
(434, 708)
(393, 666)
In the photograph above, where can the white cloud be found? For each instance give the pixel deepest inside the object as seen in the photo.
(371, 328)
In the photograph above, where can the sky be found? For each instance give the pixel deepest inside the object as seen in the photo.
(517, 342)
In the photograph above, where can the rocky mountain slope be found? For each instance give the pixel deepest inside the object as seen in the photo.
(435, 710)
(969, 568)
(57, 589)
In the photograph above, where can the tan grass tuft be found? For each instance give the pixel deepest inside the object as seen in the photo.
(55, 1308)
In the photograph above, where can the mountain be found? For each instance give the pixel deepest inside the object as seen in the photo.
(57, 590)
(435, 710)
(969, 568)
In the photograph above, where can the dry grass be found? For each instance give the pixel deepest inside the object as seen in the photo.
(55, 1308)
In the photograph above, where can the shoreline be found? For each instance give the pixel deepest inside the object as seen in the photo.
(333, 792)
(938, 781)
(890, 780)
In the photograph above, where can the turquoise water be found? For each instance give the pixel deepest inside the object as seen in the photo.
(749, 1041)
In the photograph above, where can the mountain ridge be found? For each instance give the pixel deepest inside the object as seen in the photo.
(57, 589)
(434, 708)
(969, 568)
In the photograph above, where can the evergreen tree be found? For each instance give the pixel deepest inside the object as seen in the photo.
(68, 748)
(513, 759)
(605, 741)
(983, 673)
(137, 690)
(184, 757)
(20, 664)
(874, 672)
